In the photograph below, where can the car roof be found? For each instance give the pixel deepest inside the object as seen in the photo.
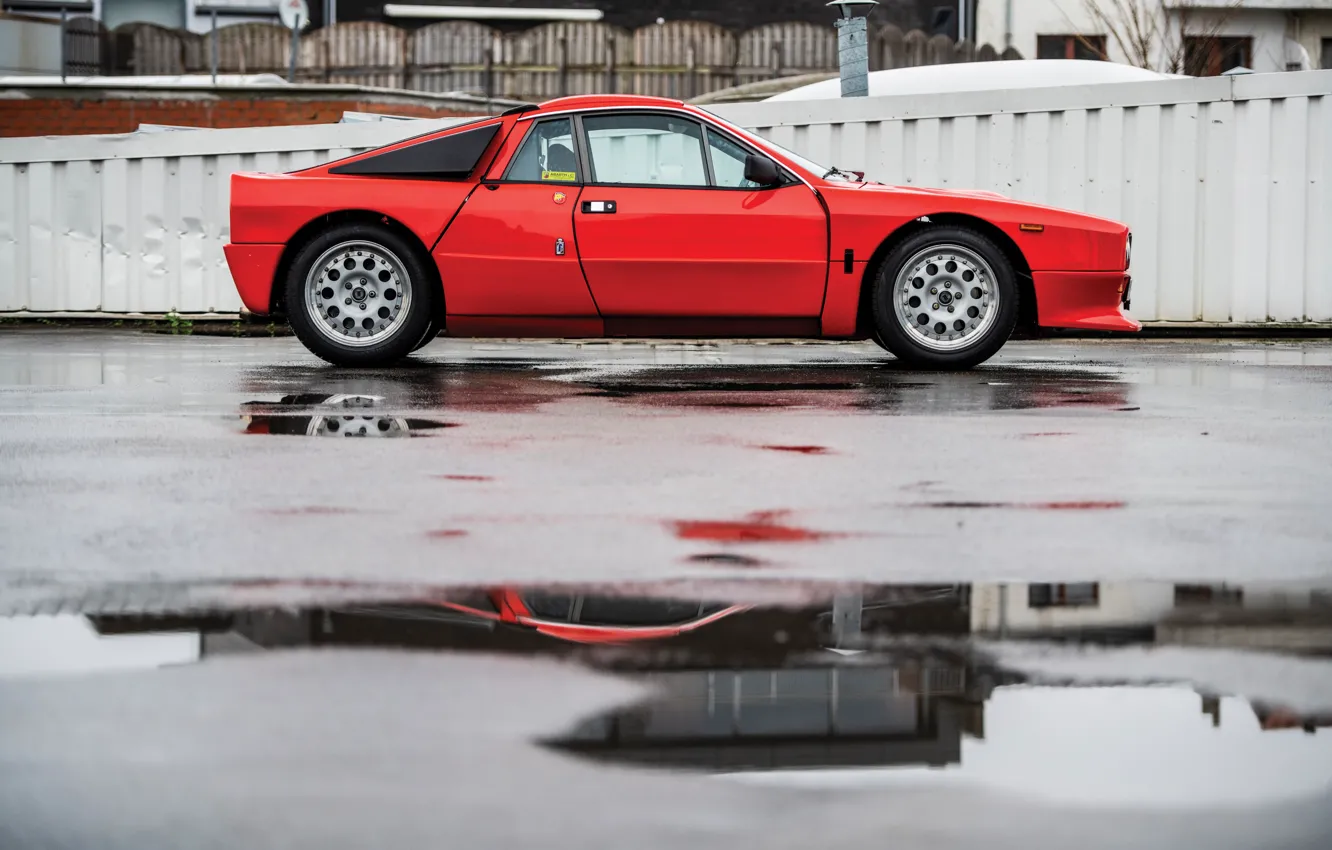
(602, 101)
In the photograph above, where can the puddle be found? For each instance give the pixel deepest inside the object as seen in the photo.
(446, 533)
(1146, 747)
(726, 559)
(333, 415)
(760, 527)
(850, 685)
(1091, 505)
(517, 385)
(1285, 617)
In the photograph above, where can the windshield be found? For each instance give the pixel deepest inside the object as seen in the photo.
(805, 164)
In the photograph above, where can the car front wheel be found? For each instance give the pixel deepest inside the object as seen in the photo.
(946, 298)
(358, 295)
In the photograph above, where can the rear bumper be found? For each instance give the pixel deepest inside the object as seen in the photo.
(1083, 300)
(253, 268)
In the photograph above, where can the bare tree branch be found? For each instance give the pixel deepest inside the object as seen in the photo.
(1149, 35)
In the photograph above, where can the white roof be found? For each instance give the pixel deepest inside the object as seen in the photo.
(981, 76)
(149, 82)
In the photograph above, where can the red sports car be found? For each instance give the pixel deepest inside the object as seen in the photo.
(634, 216)
(588, 618)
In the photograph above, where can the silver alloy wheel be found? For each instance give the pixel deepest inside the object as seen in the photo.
(344, 424)
(358, 293)
(946, 297)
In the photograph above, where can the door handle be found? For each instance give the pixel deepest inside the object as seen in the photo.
(599, 207)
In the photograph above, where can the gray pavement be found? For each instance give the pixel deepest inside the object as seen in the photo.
(137, 456)
(266, 504)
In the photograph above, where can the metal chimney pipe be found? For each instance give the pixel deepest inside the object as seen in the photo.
(853, 46)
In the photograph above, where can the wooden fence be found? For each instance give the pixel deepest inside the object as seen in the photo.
(674, 59)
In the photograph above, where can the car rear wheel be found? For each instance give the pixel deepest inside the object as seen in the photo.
(946, 298)
(359, 295)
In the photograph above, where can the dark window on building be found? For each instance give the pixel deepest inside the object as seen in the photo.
(1070, 47)
(1207, 594)
(1211, 55)
(1063, 595)
(1326, 63)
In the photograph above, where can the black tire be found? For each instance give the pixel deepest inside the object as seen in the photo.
(432, 330)
(911, 348)
(415, 279)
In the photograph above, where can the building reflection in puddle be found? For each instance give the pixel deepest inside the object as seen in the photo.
(850, 678)
(885, 712)
(67, 644)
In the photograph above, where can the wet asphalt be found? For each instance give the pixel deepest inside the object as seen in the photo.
(246, 598)
(128, 456)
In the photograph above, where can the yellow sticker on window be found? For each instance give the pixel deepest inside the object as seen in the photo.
(559, 175)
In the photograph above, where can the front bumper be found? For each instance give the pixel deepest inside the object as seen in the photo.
(1094, 301)
(253, 268)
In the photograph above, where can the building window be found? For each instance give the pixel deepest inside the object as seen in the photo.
(1063, 595)
(1207, 594)
(1211, 55)
(1070, 47)
(1326, 63)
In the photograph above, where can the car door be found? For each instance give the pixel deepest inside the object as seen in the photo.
(510, 249)
(667, 225)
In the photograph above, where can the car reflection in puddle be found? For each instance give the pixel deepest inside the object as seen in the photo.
(868, 387)
(830, 679)
(340, 415)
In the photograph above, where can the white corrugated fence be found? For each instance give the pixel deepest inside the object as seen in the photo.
(136, 223)
(1227, 183)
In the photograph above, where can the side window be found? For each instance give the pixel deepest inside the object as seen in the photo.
(547, 154)
(652, 150)
(728, 162)
(550, 606)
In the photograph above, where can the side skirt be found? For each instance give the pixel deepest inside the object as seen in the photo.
(685, 327)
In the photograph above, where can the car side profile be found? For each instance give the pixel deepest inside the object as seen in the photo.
(615, 216)
(592, 618)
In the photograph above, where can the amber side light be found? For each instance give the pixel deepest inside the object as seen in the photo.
(1032, 228)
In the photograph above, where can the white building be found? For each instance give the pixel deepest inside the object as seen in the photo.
(1199, 37)
(1050, 610)
(195, 15)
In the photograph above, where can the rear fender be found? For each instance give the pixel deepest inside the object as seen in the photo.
(273, 208)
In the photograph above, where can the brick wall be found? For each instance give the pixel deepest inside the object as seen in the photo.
(38, 115)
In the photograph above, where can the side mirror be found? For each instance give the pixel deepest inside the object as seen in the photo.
(761, 170)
